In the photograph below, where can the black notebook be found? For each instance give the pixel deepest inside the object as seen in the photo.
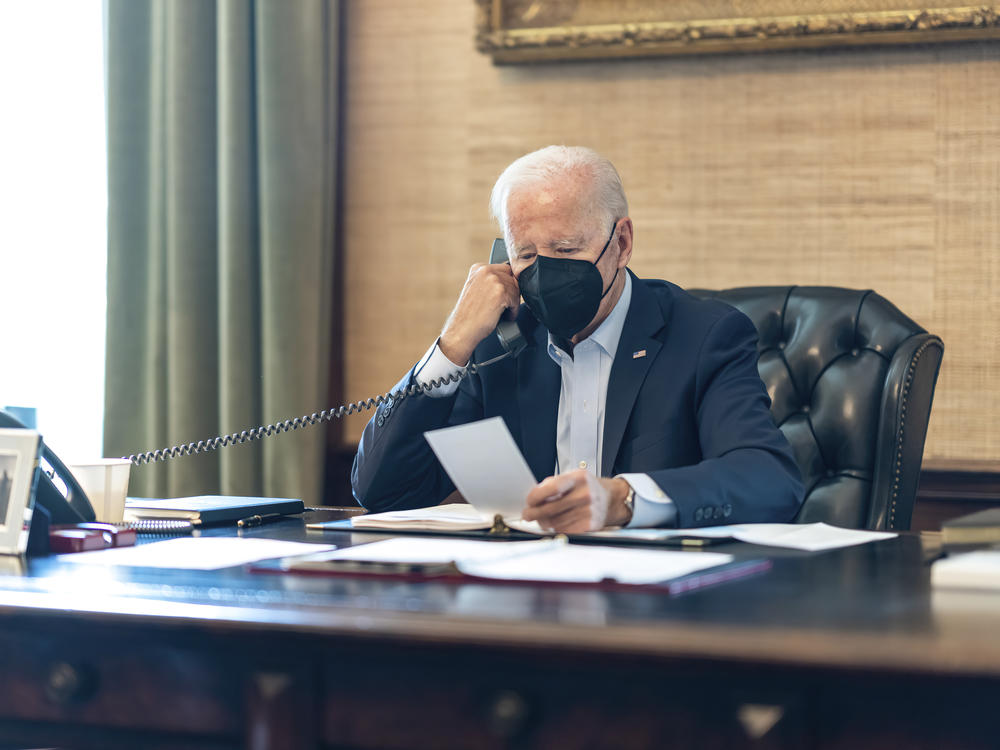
(209, 508)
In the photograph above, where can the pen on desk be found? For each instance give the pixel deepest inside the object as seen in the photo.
(257, 520)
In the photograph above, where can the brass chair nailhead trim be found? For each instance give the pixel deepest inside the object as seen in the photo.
(902, 428)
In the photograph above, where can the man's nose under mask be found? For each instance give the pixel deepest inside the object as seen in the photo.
(564, 293)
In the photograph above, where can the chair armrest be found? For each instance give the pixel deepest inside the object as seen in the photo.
(904, 414)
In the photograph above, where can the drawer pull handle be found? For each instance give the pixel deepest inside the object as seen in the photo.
(508, 714)
(758, 719)
(70, 683)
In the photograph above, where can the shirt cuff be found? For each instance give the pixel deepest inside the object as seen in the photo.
(653, 508)
(434, 365)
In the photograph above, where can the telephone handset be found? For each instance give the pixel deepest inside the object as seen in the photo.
(508, 331)
(72, 505)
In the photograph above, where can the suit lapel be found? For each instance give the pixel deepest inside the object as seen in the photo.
(538, 385)
(644, 319)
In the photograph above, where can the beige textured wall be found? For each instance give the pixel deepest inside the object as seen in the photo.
(863, 167)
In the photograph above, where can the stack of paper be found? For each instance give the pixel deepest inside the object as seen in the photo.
(545, 560)
(972, 570)
(811, 537)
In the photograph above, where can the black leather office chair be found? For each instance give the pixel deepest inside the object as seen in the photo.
(851, 381)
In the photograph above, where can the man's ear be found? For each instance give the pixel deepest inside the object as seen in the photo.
(624, 242)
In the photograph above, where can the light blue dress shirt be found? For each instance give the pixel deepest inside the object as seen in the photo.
(582, 398)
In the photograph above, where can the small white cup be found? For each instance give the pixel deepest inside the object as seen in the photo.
(105, 480)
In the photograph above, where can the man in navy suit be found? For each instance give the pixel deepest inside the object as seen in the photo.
(635, 403)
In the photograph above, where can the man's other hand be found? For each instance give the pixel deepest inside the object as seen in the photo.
(577, 501)
(488, 292)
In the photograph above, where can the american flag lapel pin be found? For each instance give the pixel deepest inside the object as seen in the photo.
(639, 354)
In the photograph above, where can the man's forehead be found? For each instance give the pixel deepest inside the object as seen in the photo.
(547, 195)
(561, 193)
(554, 213)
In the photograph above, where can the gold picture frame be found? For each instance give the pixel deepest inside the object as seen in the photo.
(517, 31)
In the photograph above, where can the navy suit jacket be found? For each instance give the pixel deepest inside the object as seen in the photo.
(692, 413)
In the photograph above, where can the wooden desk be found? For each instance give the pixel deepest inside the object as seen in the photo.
(845, 649)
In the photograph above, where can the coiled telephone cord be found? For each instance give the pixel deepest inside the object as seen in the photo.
(307, 420)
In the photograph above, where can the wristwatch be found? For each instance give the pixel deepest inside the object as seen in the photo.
(629, 503)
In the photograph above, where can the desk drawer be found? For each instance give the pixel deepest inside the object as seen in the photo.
(54, 677)
(479, 699)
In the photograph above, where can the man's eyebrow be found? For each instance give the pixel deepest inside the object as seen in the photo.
(577, 241)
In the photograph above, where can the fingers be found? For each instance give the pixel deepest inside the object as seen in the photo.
(577, 523)
(489, 291)
(493, 287)
(550, 489)
(511, 289)
(555, 508)
(567, 503)
(575, 519)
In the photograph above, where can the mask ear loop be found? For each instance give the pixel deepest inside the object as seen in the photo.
(614, 228)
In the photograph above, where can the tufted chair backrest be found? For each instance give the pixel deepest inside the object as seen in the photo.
(851, 381)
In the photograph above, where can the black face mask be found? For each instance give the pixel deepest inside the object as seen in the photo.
(564, 293)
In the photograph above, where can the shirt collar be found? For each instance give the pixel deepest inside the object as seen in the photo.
(608, 332)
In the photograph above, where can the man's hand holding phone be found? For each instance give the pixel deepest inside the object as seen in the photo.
(489, 291)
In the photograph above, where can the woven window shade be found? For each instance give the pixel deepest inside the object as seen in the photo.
(865, 168)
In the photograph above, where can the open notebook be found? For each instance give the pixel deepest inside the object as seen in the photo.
(453, 517)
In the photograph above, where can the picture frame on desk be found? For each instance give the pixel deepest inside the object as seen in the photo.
(519, 31)
(18, 478)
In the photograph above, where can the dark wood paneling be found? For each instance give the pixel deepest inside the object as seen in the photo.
(337, 492)
(949, 489)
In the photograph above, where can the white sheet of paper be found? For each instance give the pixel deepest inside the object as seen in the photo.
(810, 537)
(196, 553)
(485, 464)
(570, 563)
(970, 570)
(544, 560)
(423, 550)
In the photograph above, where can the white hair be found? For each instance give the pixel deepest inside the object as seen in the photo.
(608, 197)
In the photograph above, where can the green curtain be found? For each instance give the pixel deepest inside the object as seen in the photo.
(222, 139)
